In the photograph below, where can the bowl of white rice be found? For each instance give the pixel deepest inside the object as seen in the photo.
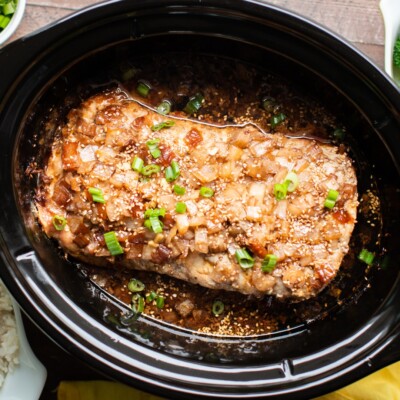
(18, 364)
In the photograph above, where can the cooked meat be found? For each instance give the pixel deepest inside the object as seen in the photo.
(240, 164)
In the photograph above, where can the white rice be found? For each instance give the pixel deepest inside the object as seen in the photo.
(8, 335)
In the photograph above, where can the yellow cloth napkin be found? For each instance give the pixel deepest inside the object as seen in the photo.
(381, 385)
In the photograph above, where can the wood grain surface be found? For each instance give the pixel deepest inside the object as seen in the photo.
(358, 21)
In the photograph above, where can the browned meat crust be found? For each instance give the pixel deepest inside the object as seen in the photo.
(240, 164)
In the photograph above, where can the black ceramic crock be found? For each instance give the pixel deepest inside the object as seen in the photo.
(299, 363)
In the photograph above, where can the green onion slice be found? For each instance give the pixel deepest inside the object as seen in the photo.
(137, 303)
(97, 195)
(112, 243)
(172, 172)
(160, 301)
(137, 164)
(156, 225)
(180, 207)
(292, 181)
(218, 307)
(277, 119)
(153, 147)
(269, 103)
(330, 200)
(244, 259)
(280, 190)
(206, 191)
(134, 285)
(269, 263)
(194, 104)
(155, 212)
(59, 222)
(4, 21)
(162, 125)
(150, 169)
(164, 107)
(151, 296)
(179, 190)
(143, 88)
(366, 256)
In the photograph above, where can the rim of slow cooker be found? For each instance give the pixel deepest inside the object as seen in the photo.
(54, 322)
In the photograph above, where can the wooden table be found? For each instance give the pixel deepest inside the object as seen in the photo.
(359, 21)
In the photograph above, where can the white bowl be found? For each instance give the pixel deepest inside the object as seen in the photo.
(28, 378)
(15, 21)
(391, 16)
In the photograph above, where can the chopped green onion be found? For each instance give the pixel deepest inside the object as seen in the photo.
(156, 224)
(134, 285)
(151, 296)
(112, 243)
(172, 172)
(280, 190)
(366, 256)
(164, 107)
(137, 303)
(150, 169)
(155, 212)
(97, 195)
(269, 263)
(59, 222)
(206, 191)
(194, 104)
(268, 103)
(180, 207)
(218, 307)
(179, 190)
(143, 88)
(4, 21)
(292, 181)
(137, 164)
(153, 147)
(147, 224)
(396, 53)
(277, 119)
(162, 125)
(244, 259)
(160, 301)
(9, 8)
(330, 200)
(339, 134)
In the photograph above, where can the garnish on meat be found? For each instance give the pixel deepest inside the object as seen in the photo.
(229, 207)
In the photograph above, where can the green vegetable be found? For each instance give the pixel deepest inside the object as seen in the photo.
(59, 222)
(164, 107)
(396, 53)
(151, 296)
(160, 301)
(280, 190)
(269, 263)
(206, 191)
(172, 172)
(137, 164)
(155, 212)
(134, 285)
(277, 119)
(162, 125)
(218, 307)
(4, 21)
(153, 147)
(143, 88)
(366, 256)
(156, 224)
(194, 104)
(330, 200)
(9, 8)
(268, 103)
(97, 195)
(150, 169)
(292, 181)
(244, 259)
(180, 207)
(112, 243)
(137, 303)
(179, 190)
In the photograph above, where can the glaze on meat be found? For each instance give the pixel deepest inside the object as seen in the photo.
(241, 164)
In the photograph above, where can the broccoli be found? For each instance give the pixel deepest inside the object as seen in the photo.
(396, 53)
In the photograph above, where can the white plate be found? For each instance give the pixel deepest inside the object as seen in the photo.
(391, 16)
(27, 380)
